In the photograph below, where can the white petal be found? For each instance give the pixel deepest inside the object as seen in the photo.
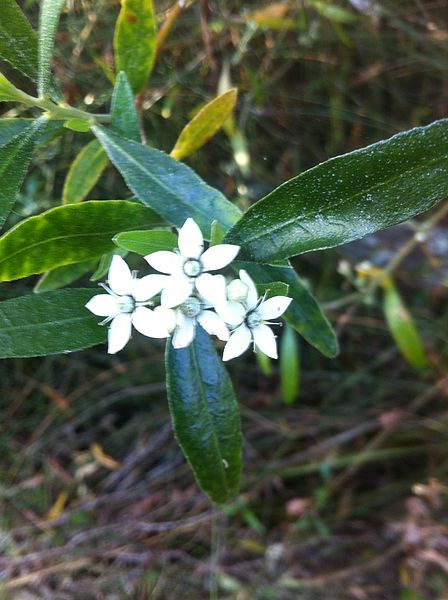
(176, 292)
(120, 278)
(252, 294)
(149, 286)
(103, 305)
(184, 332)
(165, 261)
(238, 343)
(273, 307)
(212, 288)
(213, 324)
(233, 313)
(119, 332)
(264, 339)
(190, 241)
(219, 256)
(167, 316)
(149, 324)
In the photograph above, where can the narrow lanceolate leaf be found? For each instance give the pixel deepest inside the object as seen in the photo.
(168, 186)
(289, 366)
(15, 158)
(205, 416)
(50, 12)
(105, 262)
(123, 113)
(51, 323)
(18, 41)
(304, 313)
(205, 124)
(349, 196)
(62, 276)
(84, 172)
(145, 242)
(135, 41)
(274, 288)
(11, 128)
(402, 327)
(68, 234)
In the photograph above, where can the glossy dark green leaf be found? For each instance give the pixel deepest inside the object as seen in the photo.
(68, 234)
(304, 313)
(274, 288)
(205, 416)
(168, 186)
(402, 327)
(18, 40)
(349, 196)
(84, 172)
(289, 365)
(145, 242)
(123, 113)
(50, 11)
(135, 41)
(15, 158)
(51, 323)
(11, 128)
(62, 276)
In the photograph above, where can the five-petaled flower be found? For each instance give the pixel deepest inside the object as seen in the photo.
(187, 269)
(126, 304)
(183, 320)
(251, 318)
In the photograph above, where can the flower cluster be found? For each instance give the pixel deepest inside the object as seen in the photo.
(189, 295)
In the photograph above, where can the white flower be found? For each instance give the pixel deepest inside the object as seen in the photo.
(125, 304)
(252, 318)
(188, 268)
(183, 320)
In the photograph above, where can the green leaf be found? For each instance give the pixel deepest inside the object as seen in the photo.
(12, 128)
(135, 41)
(205, 416)
(123, 113)
(50, 11)
(68, 234)
(217, 234)
(304, 313)
(402, 327)
(274, 288)
(79, 125)
(349, 196)
(8, 92)
(51, 323)
(289, 366)
(15, 158)
(84, 172)
(145, 242)
(168, 186)
(205, 124)
(18, 40)
(62, 276)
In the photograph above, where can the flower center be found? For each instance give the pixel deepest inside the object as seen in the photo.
(192, 267)
(191, 307)
(126, 304)
(253, 319)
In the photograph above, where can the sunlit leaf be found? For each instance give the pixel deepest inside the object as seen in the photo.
(145, 242)
(204, 124)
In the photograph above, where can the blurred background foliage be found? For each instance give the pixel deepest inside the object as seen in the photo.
(345, 487)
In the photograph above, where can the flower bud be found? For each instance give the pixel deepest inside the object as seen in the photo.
(237, 291)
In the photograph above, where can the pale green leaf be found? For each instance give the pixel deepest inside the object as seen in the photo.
(84, 172)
